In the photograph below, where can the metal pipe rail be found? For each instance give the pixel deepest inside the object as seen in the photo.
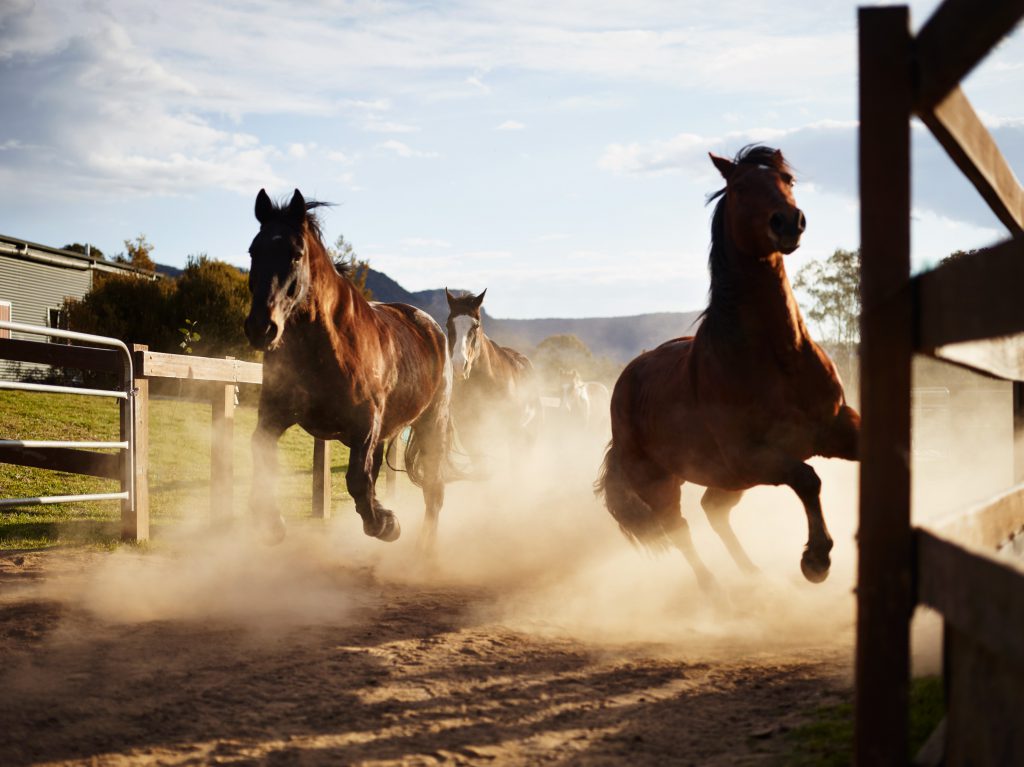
(128, 416)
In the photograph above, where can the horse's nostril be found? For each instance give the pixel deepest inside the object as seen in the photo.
(777, 223)
(801, 221)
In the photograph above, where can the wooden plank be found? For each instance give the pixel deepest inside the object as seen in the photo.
(970, 298)
(135, 522)
(976, 592)
(884, 593)
(1018, 429)
(987, 525)
(968, 142)
(222, 470)
(61, 355)
(161, 365)
(106, 465)
(997, 357)
(957, 36)
(985, 705)
(321, 479)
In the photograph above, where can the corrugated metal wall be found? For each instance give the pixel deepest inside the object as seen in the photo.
(33, 289)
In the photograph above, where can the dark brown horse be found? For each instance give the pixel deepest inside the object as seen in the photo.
(746, 400)
(496, 400)
(342, 368)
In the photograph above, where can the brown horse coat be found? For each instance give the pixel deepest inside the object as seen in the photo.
(342, 368)
(746, 400)
(496, 396)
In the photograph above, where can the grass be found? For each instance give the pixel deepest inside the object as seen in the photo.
(179, 467)
(827, 740)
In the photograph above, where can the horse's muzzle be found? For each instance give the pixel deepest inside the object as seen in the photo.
(262, 335)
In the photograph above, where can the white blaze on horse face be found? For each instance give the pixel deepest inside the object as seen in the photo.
(462, 355)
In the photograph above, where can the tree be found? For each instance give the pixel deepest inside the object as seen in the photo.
(833, 289)
(138, 253)
(77, 247)
(131, 308)
(215, 296)
(349, 265)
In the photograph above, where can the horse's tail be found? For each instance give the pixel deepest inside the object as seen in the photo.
(636, 518)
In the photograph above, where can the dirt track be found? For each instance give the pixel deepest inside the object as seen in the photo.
(395, 673)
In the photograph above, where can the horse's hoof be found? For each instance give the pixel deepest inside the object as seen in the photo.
(388, 530)
(273, 529)
(815, 568)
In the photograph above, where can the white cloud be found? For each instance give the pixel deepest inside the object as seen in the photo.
(383, 126)
(298, 151)
(404, 150)
(511, 125)
(425, 242)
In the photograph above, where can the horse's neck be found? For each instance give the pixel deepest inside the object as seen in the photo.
(757, 302)
(489, 358)
(333, 301)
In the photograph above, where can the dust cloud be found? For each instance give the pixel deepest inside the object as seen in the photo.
(546, 558)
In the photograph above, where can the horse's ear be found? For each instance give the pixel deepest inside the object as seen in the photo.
(725, 166)
(479, 299)
(450, 298)
(264, 207)
(297, 208)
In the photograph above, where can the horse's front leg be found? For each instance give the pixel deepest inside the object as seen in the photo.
(816, 560)
(263, 504)
(364, 461)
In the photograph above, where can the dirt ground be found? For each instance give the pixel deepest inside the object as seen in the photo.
(360, 666)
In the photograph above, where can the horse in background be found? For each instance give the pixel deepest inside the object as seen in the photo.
(585, 403)
(496, 395)
(342, 368)
(746, 400)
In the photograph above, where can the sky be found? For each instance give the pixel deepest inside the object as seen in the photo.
(553, 152)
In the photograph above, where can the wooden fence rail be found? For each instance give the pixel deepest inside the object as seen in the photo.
(222, 375)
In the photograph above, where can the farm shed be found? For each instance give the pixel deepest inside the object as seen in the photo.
(34, 281)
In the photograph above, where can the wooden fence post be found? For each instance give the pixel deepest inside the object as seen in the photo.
(885, 598)
(135, 522)
(321, 479)
(222, 466)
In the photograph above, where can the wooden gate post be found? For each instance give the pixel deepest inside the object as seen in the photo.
(135, 522)
(222, 460)
(321, 479)
(885, 599)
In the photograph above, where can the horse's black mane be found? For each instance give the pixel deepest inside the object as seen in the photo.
(722, 280)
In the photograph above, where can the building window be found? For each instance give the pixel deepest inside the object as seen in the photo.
(5, 316)
(55, 319)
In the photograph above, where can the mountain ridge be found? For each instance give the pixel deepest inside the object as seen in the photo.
(619, 338)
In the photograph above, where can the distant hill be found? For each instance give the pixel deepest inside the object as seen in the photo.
(618, 338)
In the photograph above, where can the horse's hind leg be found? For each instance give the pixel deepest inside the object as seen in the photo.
(717, 504)
(433, 435)
(665, 497)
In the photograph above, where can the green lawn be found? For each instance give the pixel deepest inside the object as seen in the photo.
(179, 467)
(827, 740)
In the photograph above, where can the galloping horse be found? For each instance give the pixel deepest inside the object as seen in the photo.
(496, 398)
(743, 402)
(585, 402)
(342, 368)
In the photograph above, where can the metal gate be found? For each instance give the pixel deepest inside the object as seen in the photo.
(54, 454)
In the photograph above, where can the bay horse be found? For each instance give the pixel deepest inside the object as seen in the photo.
(342, 368)
(496, 395)
(585, 402)
(746, 400)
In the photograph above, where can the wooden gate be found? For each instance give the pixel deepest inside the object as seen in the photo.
(948, 313)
